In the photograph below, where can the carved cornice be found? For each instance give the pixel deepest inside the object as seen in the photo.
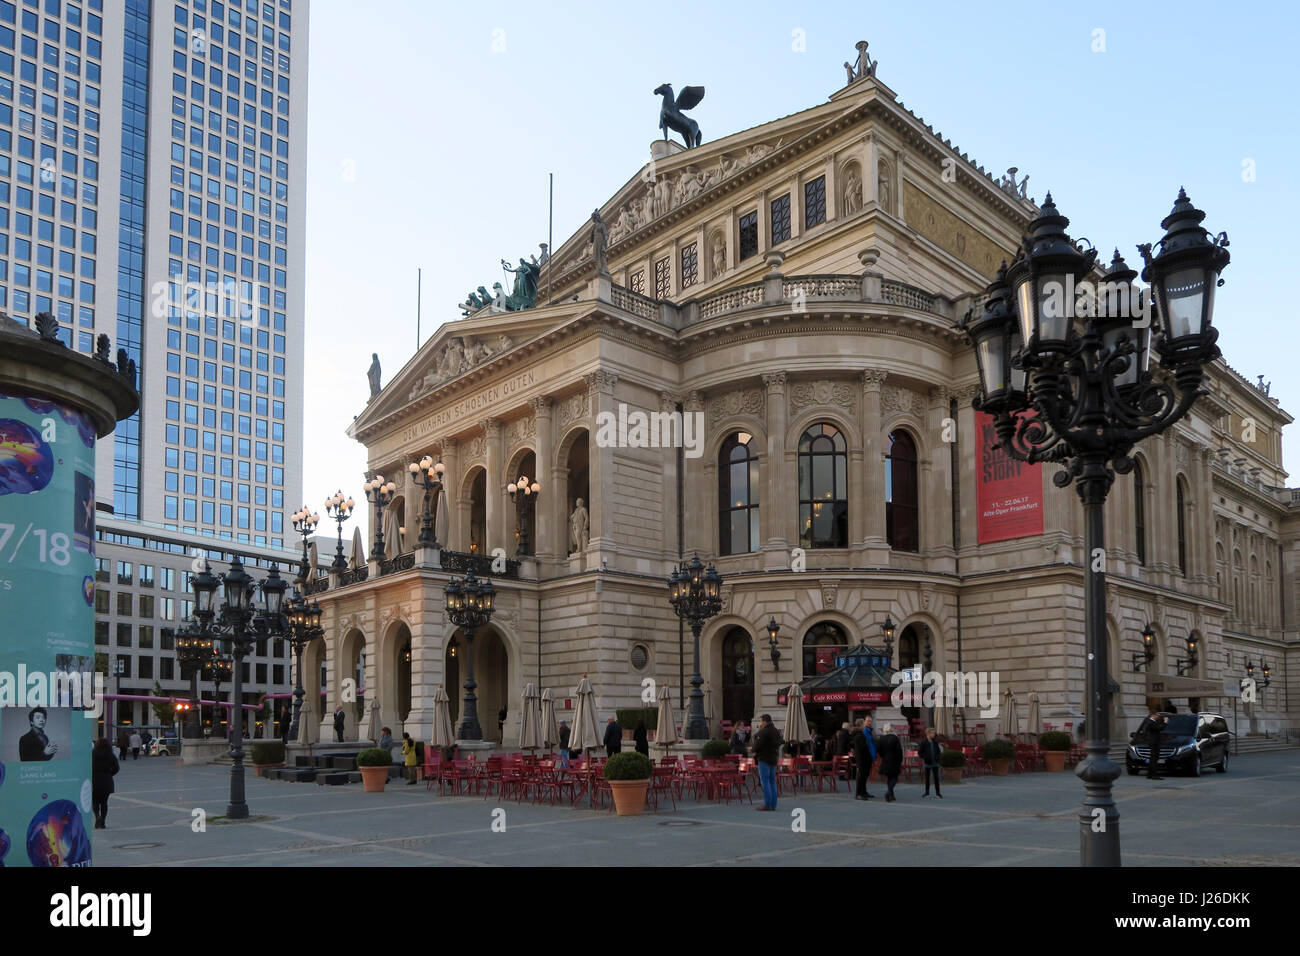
(741, 401)
(898, 398)
(805, 394)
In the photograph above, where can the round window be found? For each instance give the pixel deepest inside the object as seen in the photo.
(640, 656)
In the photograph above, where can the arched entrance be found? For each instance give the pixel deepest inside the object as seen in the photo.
(737, 675)
(523, 534)
(911, 652)
(478, 511)
(819, 646)
(350, 676)
(576, 461)
(491, 674)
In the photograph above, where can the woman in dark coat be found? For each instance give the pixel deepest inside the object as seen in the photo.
(103, 765)
(641, 739)
(891, 762)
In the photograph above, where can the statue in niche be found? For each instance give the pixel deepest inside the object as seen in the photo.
(852, 191)
(719, 255)
(579, 528)
(373, 374)
(884, 188)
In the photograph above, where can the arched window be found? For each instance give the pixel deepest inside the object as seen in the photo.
(1139, 514)
(823, 488)
(738, 495)
(737, 675)
(819, 647)
(1182, 530)
(900, 493)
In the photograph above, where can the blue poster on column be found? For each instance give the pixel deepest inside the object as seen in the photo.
(49, 698)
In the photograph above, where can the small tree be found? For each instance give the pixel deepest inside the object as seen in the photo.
(161, 709)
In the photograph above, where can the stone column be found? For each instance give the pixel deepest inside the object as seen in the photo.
(1205, 519)
(695, 492)
(496, 513)
(600, 468)
(780, 490)
(668, 404)
(544, 539)
(968, 449)
(872, 503)
(937, 512)
(447, 451)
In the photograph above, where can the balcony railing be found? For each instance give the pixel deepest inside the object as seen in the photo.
(458, 562)
(316, 585)
(402, 562)
(634, 302)
(730, 300)
(355, 576)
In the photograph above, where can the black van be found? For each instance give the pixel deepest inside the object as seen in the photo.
(1189, 742)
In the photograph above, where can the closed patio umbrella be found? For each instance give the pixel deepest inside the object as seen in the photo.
(796, 721)
(1035, 715)
(443, 736)
(313, 560)
(440, 519)
(1010, 718)
(372, 731)
(665, 727)
(358, 549)
(530, 723)
(585, 734)
(550, 730)
(307, 728)
(943, 719)
(392, 534)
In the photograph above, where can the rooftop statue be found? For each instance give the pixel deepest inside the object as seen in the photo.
(672, 117)
(373, 374)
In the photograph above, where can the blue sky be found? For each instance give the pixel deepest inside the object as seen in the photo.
(432, 131)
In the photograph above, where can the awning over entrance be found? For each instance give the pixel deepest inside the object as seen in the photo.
(1170, 685)
(861, 676)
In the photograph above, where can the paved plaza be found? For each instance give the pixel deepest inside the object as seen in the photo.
(1248, 817)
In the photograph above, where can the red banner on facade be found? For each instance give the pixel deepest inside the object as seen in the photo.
(839, 697)
(1008, 492)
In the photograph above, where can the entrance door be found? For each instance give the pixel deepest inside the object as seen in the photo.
(737, 676)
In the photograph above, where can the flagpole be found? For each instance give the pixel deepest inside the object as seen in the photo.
(418, 283)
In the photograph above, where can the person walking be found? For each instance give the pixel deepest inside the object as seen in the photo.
(767, 752)
(134, 743)
(891, 762)
(864, 749)
(286, 721)
(928, 750)
(408, 757)
(386, 741)
(564, 745)
(103, 767)
(613, 738)
(340, 719)
(123, 744)
(641, 738)
(1150, 731)
(843, 736)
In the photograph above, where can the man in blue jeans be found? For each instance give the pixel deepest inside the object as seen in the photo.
(767, 752)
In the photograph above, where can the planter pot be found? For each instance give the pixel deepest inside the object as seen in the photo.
(260, 769)
(1054, 760)
(629, 796)
(1001, 766)
(374, 778)
(952, 774)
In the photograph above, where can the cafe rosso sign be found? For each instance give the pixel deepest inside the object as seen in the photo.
(840, 697)
(470, 405)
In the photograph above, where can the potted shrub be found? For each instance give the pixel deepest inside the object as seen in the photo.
(1054, 744)
(628, 775)
(267, 755)
(999, 753)
(952, 761)
(715, 749)
(373, 762)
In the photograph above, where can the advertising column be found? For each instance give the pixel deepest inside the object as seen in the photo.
(50, 695)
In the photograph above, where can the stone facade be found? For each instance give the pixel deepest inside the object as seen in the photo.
(805, 273)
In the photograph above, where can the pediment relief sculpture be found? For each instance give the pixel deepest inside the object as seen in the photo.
(458, 356)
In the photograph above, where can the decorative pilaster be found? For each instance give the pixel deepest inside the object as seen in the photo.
(447, 451)
(967, 449)
(600, 468)
(872, 503)
(668, 402)
(545, 544)
(938, 516)
(495, 511)
(776, 507)
(695, 492)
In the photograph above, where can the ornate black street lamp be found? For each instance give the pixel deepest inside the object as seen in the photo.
(194, 651)
(217, 671)
(1189, 662)
(524, 495)
(773, 652)
(340, 509)
(887, 629)
(469, 606)
(304, 627)
(1144, 657)
(694, 593)
(304, 522)
(379, 492)
(1087, 398)
(429, 475)
(239, 622)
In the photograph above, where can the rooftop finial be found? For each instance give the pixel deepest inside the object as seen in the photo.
(863, 66)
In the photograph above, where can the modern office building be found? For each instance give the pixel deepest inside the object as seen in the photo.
(152, 160)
